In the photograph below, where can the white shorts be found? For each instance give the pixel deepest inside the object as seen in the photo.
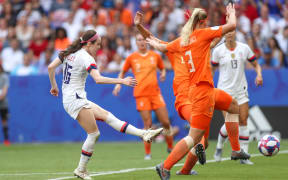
(241, 97)
(74, 107)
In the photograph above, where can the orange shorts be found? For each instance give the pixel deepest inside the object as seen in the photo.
(149, 102)
(222, 100)
(185, 113)
(180, 101)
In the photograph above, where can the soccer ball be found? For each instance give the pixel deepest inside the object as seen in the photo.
(269, 145)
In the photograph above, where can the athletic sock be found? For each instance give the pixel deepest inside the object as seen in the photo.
(244, 138)
(5, 132)
(87, 150)
(191, 159)
(147, 147)
(123, 126)
(222, 137)
(232, 127)
(178, 152)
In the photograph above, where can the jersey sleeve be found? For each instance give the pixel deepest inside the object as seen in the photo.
(127, 64)
(174, 46)
(250, 54)
(215, 58)
(89, 63)
(160, 63)
(212, 32)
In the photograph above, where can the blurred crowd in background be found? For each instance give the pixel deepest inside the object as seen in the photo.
(32, 32)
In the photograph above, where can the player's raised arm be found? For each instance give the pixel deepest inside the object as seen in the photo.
(51, 70)
(137, 21)
(231, 19)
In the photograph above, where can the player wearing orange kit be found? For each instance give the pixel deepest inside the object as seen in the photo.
(144, 64)
(194, 46)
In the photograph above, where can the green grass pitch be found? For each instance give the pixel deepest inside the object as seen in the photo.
(57, 161)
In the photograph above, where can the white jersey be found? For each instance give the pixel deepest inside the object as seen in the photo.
(76, 67)
(231, 63)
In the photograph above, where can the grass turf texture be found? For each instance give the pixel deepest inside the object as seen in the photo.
(44, 161)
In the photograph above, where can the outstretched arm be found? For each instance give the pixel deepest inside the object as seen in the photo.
(99, 79)
(117, 87)
(51, 70)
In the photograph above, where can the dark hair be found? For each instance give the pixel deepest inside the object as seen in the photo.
(59, 29)
(77, 45)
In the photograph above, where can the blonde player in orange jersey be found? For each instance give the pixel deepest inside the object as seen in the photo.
(180, 87)
(194, 46)
(144, 64)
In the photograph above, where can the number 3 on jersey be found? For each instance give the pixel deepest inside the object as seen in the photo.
(190, 61)
(67, 74)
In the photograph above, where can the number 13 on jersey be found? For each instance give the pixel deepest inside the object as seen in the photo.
(190, 61)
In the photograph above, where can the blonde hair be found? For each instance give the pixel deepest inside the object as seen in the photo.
(197, 15)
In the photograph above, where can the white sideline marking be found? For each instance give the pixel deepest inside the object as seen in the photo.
(112, 172)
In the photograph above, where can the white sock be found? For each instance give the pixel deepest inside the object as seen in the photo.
(123, 126)
(244, 138)
(222, 137)
(87, 150)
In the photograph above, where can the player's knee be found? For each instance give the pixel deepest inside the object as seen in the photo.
(234, 107)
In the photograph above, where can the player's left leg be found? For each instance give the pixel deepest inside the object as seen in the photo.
(161, 112)
(244, 131)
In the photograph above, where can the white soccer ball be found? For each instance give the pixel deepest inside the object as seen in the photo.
(269, 145)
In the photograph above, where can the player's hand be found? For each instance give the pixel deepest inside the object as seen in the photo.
(230, 9)
(129, 81)
(116, 90)
(54, 91)
(152, 42)
(138, 18)
(259, 81)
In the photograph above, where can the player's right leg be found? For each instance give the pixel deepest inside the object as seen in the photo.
(122, 126)
(222, 137)
(224, 101)
(4, 116)
(87, 121)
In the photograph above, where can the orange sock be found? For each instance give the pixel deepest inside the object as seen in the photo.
(233, 135)
(147, 147)
(178, 152)
(191, 160)
(169, 141)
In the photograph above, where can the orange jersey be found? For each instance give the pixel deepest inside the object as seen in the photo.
(197, 54)
(144, 69)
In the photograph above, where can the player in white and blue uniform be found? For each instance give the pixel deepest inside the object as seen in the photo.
(231, 58)
(78, 62)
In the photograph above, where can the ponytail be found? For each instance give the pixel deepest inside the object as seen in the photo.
(88, 36)
(197, 15)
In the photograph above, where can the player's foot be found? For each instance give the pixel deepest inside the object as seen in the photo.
(218, 155)
(192, 172)
(163, 173)
(82, 175)
(150, 134)
(169, 150)
(246, 162)
(239, 155)
(147, 157)
(200, 153)
(6, 143)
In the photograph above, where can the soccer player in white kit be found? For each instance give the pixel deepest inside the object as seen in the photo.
(231, 57)
(78, 62)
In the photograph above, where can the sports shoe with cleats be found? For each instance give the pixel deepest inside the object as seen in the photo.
(192, 172)
(200, 153)
(82, 175)
(218, 155)
(239, 155)
(147, 157)
(163, 173)
(150, 134)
